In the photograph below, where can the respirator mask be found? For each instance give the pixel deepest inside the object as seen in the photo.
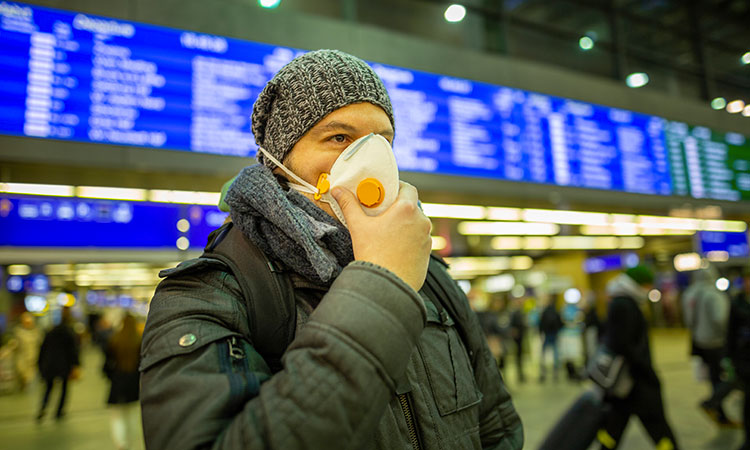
(367, 168)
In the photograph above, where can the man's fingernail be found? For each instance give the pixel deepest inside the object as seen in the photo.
(336, 192)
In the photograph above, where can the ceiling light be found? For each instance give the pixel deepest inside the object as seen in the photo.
(632, 243)
(497, 213)
(654, 295)
(718, 256)
(637, 79)
(183, 243)
(269, 4)
(438, 242)
(499, 283)
(746, 111)
(55, 190)
(507, 228)
(745, 59)
(723, 225)
(507, 243)
(687, 261)
(722, 284)
(565, 217)
(453, 211)
(537, 243)
(185, 197)
(111, 193)
(19, 269)
(183, 225)
(572, 296)
(586, 43)
(455, 13)
(718, 103)
(735, 106)
(585, 242)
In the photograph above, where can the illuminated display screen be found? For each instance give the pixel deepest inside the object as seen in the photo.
(733, 244)
(707, 164)
(75, 222)
(88, 78)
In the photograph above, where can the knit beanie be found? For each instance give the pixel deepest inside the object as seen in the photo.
(306, 90)
(640, 274)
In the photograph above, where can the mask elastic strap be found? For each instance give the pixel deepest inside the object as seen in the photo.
(310, 188)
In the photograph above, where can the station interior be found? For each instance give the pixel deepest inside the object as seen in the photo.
(554, 144)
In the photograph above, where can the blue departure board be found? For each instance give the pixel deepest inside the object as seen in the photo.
(75, 222)
(73, 76)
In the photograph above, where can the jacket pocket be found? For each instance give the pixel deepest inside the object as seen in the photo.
(181, 337)
(447, 364)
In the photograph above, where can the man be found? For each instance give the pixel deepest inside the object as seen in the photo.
(706, 312)
(738, 346)
(550, 324)
(518, 332)
(58, 359)
(626, 334)
(376, 362)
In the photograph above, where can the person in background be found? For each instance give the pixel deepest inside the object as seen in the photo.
(550, 324)
(626, 334)
(706, 312)
(26, 338)
(121, 367)
(592, 328)
(738, 347)
(518, 333)
(59, 360)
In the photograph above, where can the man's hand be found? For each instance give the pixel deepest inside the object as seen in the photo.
(398, 239)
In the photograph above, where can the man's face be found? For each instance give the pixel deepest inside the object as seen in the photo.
(318, 149)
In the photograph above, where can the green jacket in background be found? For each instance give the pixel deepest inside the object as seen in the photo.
(369, 354)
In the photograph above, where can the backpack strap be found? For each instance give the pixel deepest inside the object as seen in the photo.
(449, 297)
(267, 291)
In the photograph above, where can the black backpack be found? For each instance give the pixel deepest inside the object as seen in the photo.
(269, 295)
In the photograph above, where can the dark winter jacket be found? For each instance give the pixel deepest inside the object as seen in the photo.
(626, 331)
(738, 335)
(373, 366)
(59, 352)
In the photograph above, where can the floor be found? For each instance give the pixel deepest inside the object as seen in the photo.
(86, 425)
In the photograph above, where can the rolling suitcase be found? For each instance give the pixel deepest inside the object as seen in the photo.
(577, 428)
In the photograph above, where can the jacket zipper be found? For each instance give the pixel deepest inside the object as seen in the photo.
(235, 351)
(410, 425)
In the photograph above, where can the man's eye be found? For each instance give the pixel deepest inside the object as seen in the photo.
(339, 138)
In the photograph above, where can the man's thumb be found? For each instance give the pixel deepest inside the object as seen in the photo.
(347, 201)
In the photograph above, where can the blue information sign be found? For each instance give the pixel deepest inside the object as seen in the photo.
(67, 75)
(74, 222)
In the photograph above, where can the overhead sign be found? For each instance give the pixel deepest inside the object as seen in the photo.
(74, 76)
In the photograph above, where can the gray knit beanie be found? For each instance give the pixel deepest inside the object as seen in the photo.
(306, 90)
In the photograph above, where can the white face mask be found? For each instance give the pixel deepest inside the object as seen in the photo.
(367, 167)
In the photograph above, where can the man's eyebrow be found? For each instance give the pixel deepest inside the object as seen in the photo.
(335, 126)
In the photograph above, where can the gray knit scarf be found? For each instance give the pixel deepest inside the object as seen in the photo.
(288, 227)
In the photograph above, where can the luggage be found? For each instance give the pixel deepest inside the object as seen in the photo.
(577, 428)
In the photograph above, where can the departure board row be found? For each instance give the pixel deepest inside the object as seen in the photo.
(72, 76)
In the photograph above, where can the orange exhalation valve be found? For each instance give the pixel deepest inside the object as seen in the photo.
(323, 186)
(370, 192)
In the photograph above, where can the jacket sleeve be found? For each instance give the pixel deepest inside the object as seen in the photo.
(337, 378)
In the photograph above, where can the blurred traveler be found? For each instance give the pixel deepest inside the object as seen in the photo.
(27, 338)
(121, 366)
(518, 333)
(550, 324)
(386, 352)
(738, 348)
(592, 327)
(626, 334)
(706, 312)
(102, 333)
(58, 359)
